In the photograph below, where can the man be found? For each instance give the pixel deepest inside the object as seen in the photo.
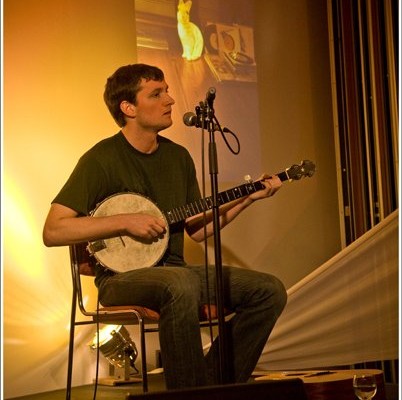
(138, 159)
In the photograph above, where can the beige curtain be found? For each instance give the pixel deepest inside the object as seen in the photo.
(344, 312)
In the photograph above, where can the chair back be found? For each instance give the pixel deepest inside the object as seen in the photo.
(80, 255)
(82, 263)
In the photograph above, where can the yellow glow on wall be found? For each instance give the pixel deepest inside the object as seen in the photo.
(57, 57)
(22, 239)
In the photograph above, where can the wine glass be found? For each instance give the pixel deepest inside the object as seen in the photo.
(365, 386)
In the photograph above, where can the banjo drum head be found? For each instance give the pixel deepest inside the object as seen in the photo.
(125, 253)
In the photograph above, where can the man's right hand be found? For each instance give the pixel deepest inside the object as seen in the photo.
(144, 226)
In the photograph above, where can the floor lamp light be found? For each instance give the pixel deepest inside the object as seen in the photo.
(118, 348)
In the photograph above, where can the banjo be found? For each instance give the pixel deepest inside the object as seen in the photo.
(126, 253)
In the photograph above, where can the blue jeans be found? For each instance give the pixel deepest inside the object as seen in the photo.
(177, 293)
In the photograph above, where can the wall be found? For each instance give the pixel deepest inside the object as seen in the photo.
(57, 57)
(300, 227)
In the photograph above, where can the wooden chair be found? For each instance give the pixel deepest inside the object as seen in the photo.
(83, 264)
(147, 320)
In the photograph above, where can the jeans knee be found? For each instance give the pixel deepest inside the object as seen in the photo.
(184, 287)
(275, 293)
(280, 294)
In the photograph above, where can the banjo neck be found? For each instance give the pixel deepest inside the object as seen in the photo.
(125, 253)
(183, 212)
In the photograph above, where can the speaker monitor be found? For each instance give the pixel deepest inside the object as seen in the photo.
(289, 389)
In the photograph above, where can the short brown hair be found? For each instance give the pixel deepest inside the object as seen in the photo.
(124, 84)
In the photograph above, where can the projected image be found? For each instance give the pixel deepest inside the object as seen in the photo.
(203, 44)
(230, 52)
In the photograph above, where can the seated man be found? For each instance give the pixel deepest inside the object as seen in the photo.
(138, 159)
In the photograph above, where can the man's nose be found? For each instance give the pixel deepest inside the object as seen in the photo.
(170, 99)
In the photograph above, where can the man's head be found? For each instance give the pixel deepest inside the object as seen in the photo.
(124, 84)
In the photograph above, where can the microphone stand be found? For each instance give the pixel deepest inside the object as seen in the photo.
(208, 115)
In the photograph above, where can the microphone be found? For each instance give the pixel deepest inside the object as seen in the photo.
(210, 97)
(190, 119)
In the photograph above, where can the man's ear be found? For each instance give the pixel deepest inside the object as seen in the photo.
(128, 109)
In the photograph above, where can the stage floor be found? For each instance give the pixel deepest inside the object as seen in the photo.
(155, 383)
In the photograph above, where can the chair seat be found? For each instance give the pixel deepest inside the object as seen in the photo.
(110, 313)
(210, 312)
(142, 311)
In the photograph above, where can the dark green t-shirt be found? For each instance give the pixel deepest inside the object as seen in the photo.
(167, 177)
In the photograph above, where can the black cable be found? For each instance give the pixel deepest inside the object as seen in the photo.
(227, 130)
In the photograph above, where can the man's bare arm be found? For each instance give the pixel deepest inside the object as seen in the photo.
(64, 227)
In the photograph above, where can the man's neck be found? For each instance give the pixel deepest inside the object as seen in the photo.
(145, 142)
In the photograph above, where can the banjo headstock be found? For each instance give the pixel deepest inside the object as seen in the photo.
(298, 171)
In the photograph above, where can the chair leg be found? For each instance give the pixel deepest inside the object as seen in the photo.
(143, 356)
(71, 346)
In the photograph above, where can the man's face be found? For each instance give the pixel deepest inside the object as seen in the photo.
(154, 106)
